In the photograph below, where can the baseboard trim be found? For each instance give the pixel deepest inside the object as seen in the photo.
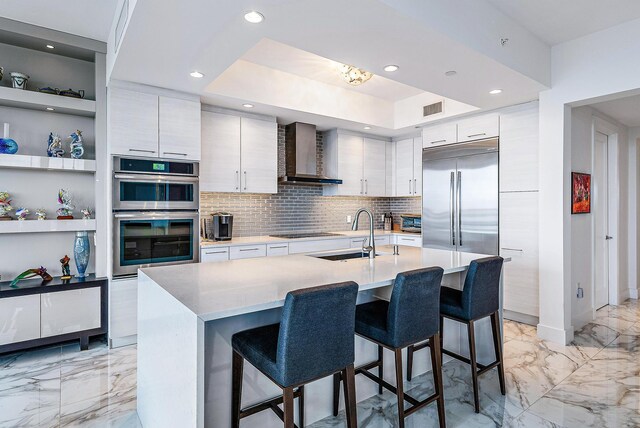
(118, 342)
(519, 317)
(556, 335)
(633, 293)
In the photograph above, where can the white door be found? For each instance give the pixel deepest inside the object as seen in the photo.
(350, 155)
(220, 164)
(404, 167)
(375, 167)
(179, 133)
(133, 123)
(600, 207)
(259, 156)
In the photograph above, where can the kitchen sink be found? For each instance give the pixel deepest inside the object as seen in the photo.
(344, 256)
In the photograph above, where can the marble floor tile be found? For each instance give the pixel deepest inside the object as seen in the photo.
(515, 330)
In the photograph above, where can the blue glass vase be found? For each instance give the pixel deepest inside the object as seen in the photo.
(82, 252)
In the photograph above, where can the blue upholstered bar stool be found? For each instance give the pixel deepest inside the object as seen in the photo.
(313, 340)
(479, 298)
(411, 316)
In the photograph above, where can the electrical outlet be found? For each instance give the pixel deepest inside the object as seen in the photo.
(580, 294)
(382, 218)
(348, 219)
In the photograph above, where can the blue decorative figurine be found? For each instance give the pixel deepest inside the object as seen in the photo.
(54, 147)
(7, 145)
(76, 145)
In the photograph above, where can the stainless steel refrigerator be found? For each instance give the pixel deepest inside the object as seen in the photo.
(460, 197)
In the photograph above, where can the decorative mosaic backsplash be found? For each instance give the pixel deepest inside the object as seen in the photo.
(299, 208)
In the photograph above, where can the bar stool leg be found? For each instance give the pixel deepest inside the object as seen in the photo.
(336, 393)
(287, 404)
(399, 387)
(409, 362)
(301, 406)
(237, 366)
(474, 366)
(441, 333)
(380, 367)
(349, 377)
(497, 343)
(436, 363)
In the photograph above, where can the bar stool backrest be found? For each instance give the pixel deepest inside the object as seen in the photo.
(414, 308)
(481, 292)
(316, 332)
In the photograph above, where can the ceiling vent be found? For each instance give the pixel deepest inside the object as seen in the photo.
(432, 109)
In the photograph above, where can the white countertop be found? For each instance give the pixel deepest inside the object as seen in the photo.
(219, 290)
(265, 239)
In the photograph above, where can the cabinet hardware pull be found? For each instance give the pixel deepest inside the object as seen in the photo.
(280, 246)
(439, 141)
(249, 249)
(415, 186)
(245, 180)
(237, 180)
(217, 252)
(477, 135)
(142, 151)
(513, 249)
(366, 187)
(407, 239)
(361, 186)
(174, 153)
(409, 186)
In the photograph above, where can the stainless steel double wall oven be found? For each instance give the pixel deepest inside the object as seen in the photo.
(155, 213)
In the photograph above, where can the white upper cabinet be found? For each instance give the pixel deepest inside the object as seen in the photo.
(238, 154)
(133, 123)
(220, 165)
(142, 124)
(179, 128)
(259, 156)
(519, 148)
(438, 135)
(409, 167)
(375, 167)
(417, 166)
(479, 127)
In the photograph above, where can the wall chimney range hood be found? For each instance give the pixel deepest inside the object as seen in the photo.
(300, 156)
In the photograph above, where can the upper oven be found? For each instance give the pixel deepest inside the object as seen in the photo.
(155, 184)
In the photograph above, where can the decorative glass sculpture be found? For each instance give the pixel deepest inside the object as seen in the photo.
(66, 271)
(54, 147)
(82, 252)
(86, 214)
(5, 206)
(22, 213)
(65, 212)
(30, 273)
(76, 145)
(41, 214)
(7, 145)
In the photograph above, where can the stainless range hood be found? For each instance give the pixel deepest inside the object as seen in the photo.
(300, 157)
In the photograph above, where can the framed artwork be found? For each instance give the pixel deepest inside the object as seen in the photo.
(580, 193)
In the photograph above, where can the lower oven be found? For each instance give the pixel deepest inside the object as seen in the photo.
(154, 238)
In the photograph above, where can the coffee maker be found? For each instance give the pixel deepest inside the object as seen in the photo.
(222, 226)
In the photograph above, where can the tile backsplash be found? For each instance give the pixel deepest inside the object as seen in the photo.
(299, 208)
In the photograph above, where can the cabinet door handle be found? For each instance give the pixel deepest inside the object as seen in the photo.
(280, 246)
(142, 151)
(477, 135)
(249, 249)
(361, 186)
(512, 249)
(407, 239)
(245, 180)
(409, 186)
(216, 252)
(174, 153)
(366, 187)
(415, 186)
(439, 141)
(237, 180)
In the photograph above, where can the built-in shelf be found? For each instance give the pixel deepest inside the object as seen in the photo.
(39, 226)
(47, 163)
(40, 101)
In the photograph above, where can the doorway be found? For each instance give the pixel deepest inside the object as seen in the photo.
(601, 205)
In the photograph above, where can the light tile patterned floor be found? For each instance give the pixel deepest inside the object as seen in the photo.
(593, 382)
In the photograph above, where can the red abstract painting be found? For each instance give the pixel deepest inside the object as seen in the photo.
(580, 193)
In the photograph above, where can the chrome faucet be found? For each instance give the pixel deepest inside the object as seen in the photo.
(371, 248)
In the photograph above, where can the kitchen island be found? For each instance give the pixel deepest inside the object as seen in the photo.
(188, 313)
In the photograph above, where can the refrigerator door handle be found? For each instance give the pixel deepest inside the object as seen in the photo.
(459, 208)
(452, 212)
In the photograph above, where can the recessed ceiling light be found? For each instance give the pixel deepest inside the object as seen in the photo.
(495, 91)
(254, 17)
(391, 68)
(450, 73)
(50, 108)
(50, 46)
(367, 127)
(196, 74)
(247, 105)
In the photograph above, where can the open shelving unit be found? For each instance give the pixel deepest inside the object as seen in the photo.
(32, 100)
(40, 226)
(47, 163)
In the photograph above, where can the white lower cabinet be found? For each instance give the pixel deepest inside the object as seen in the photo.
(409, 241)
(277, 249)
(317, 246)
(247, 252)
(379, 240)
(69, 311)
(214, 254)
(519, 240)
(19, 319)
(123, 309)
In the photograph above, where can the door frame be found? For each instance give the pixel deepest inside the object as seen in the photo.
(611, 131)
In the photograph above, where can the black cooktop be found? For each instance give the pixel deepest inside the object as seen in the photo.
(305, 235)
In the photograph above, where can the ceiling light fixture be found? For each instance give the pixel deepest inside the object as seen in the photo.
(495, 91)
(50, 109)
(247, 105)
(50, 46)
(367, 127)
(353, 75)
(450, 73)
(391, 68)
(196, 74)
(254, 17)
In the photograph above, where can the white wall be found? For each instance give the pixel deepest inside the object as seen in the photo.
(600, 66)
(634, 206)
